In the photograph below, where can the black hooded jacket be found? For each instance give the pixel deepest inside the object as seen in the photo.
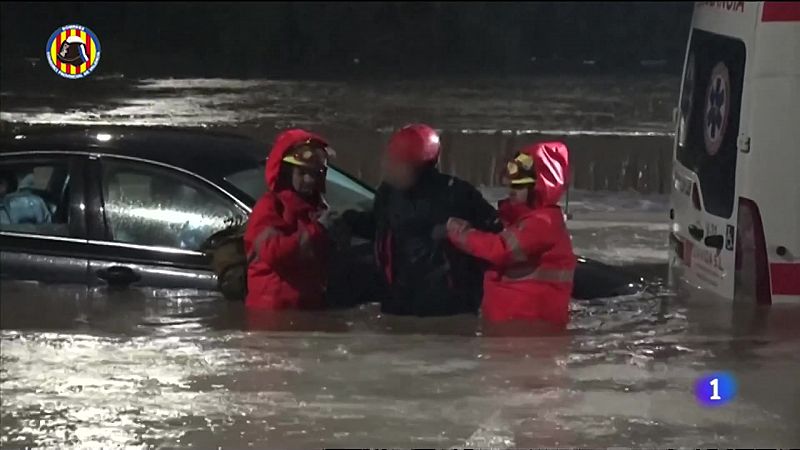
(426, 276)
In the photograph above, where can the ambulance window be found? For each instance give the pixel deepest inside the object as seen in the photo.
(709, 122)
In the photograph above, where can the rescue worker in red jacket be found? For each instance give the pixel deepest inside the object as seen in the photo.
(532, 263)
(286, 240)
(424, 274)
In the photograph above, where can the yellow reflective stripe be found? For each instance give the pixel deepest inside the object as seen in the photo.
(294, 161)
(522, 273)
(514, 246)
(527, 180)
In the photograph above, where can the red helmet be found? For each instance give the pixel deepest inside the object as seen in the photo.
(416, 144)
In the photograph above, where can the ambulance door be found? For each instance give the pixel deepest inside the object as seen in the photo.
(706, 154)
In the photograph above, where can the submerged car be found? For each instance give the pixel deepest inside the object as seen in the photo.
(132, 207)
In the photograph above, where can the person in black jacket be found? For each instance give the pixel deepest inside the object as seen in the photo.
(425, 275)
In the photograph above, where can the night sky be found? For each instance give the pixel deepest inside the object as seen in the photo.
(340, 40)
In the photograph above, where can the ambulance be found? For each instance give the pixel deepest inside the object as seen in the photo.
(735, 200)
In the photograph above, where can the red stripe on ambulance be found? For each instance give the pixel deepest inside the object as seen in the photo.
(785, 278)
(781, 12)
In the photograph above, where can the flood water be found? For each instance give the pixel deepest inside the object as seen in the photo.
(626, 118)
(182, 368)
(599, 104)
(98, 368)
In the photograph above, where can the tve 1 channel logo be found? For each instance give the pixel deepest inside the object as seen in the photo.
(715, 389)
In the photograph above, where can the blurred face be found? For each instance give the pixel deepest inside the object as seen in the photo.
(305, 181)
(519, 193)
(398, 174)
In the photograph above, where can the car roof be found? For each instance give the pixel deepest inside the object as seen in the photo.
(209, 154)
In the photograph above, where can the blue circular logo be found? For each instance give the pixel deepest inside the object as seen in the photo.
(715, 120)
(73, 51)
(715, 389)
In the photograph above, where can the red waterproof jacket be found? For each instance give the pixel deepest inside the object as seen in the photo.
(286, 246)
(532, 263)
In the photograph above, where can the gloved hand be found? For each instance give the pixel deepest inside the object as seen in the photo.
(456, 225)
(328, 219)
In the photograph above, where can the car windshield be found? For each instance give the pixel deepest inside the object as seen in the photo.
(343, 192)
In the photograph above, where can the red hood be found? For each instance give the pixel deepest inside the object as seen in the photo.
(551, 162)
(283, 143)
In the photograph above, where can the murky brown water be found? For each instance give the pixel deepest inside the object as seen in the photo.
(180, 368)
(627, 119)
(594, 104)
(188, 370)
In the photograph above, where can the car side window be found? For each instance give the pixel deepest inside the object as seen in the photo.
(149, 205)
(344, 193)
(34, 197)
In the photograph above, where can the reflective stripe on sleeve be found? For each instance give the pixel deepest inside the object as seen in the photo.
(514, 246)
(522, 273)
(259, 242)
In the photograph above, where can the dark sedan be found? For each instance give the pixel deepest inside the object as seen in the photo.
(132, 207)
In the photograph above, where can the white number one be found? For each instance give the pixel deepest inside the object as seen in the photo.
(715, 384)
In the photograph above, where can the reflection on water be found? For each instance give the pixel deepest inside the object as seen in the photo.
(624, 117)
(188, 369)
(184, 368)
(591, 103)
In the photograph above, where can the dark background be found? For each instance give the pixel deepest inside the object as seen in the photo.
(317, 40)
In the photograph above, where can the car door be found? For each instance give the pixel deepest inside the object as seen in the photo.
(149, 222)
(705, 198)
(42, 223)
